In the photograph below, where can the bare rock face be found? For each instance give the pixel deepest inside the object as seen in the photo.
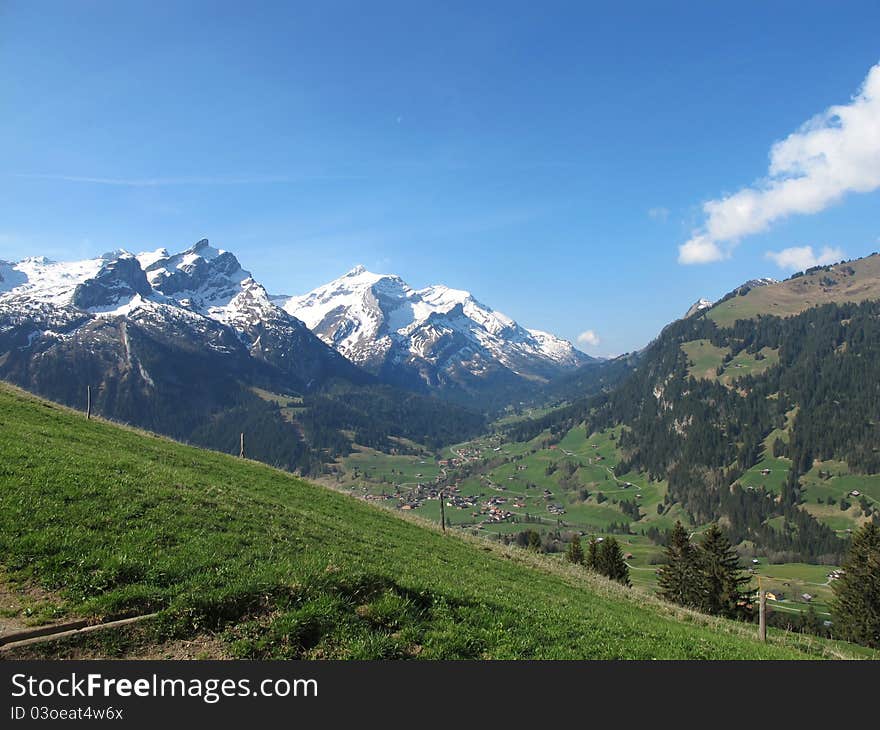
(117, 281)
(698, 306)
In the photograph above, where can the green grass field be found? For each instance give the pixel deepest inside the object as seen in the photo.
(831, 484)
(115, 522)
(793, 580)
(374, 466)
(706, 358)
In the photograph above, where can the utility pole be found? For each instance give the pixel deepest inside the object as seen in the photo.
(241, 450)
(762, 612)
(442, 511)
(88, 402)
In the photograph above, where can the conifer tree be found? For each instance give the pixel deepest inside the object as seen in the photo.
(611, 562)
(680, 578)
(592, 561)
(810, 623)
(722, 581)
(575, 553)
(856, 606)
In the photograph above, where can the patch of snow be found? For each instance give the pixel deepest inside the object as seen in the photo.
(43, 280)
(122, 308)
(698, 306)
(11, 277)
(148, 258)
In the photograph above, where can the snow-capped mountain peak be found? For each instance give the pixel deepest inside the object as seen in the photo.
(379, 321)
(199, 300)
(437, 337)
(202, 278)
(148, 258)
(100, 282)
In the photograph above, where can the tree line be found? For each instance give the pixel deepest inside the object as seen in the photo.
(707, 577)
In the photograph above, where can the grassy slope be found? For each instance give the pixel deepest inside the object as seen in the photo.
(120, 522)
(796, 295)
(706, 358)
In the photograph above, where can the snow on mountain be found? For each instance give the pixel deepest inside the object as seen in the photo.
(698, 306)
(203, 279)
(747, 286)
(109, 285)
(555, 347)
(764, 281)
(201, 297)
(379, 321)
(11, 276)
(43, 280)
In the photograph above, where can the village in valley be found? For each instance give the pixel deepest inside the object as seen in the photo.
(561, 486)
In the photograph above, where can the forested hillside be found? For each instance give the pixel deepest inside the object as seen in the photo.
(705, 398)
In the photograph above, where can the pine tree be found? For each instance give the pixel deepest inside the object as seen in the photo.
(721, 577)
(856, 606)
(611, 562)
(592, 561)
(575, 553)
(810, 623)
(680, 577)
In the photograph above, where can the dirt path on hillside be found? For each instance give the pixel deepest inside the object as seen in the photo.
(198, 648)
(23, 607)
(28, 607)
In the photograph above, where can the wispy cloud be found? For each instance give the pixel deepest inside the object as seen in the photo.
(659, 213)
(798, 258)
(143, 182)
(588, 337)
(835, 153)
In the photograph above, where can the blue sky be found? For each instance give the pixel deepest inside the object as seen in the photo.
(553, 158)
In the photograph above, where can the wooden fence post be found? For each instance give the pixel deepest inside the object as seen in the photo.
(88, 402)
(442, 511)
(762, 613)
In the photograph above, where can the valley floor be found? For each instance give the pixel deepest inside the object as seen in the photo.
(495, 489)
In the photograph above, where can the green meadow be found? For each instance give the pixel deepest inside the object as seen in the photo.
(705, 359)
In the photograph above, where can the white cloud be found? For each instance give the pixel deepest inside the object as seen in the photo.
(836, 152)
(701, 250)
(798, 258)
(588, 338)
(659, 213)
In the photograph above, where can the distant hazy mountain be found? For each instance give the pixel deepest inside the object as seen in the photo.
(436, 338)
